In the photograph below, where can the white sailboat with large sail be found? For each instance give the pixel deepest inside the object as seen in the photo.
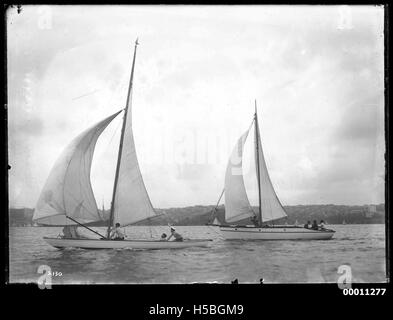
(238, 207)
(67, 197)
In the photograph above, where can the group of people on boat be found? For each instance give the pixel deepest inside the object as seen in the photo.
(176, 236)
(315, 225)
(71, 232)
(308, 225)
(255, 220)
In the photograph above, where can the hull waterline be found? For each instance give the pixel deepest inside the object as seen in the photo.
(275, 233)
(125, 244)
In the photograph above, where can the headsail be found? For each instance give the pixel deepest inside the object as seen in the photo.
(68, 190)
(237, 205)
(270, 205)
(131, 203)
(216, 222)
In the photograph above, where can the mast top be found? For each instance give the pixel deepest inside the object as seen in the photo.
(255, 107)
(136, 42)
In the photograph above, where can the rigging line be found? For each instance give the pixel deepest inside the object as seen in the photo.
(149, 225)
(86, 94)
(117, 128)
(86, 227)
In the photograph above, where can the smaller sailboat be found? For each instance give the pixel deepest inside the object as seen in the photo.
(238, 208)
(215, 222)
(67, 198)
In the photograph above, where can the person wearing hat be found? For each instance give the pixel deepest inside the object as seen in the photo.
(174, 234)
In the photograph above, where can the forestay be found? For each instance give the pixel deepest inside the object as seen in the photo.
(237, 205)
(68, 190)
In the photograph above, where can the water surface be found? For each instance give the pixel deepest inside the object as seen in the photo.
(360, 246)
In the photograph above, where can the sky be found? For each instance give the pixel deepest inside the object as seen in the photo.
(316, 72)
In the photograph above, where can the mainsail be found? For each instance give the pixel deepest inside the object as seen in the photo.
(237, 205)
(131, 202)
(68, 191)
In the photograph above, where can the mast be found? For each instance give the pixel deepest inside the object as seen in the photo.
(121, 143)
(257, 164)
(218, 202)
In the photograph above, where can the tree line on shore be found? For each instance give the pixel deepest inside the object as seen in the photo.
(202, 215)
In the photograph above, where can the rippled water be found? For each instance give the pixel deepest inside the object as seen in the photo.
(360, 246)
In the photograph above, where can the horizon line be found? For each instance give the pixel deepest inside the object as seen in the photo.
(210, 205)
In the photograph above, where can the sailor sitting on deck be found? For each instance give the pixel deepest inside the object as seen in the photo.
(322, 225)
(116, 233)
(174, 234)
(314, 225)
(254, 220)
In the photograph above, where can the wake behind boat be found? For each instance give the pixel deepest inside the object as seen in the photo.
(67, 198)
(238, 208)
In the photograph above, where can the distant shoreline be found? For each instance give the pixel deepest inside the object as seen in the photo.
(179, 225)
(203, 215)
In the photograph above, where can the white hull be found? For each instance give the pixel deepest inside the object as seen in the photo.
(275, 233)
(124, 244)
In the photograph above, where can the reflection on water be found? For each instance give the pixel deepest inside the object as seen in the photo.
(360, 246)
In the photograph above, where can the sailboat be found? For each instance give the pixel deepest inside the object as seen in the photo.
(238, 208)
(67, 197)
(214, 217)
(216, 222)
